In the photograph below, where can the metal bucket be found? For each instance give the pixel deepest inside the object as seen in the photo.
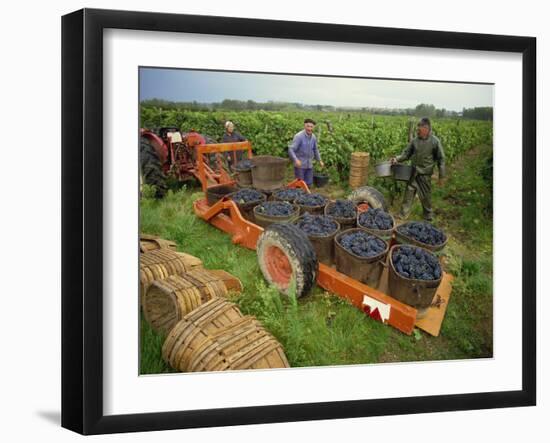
(383, 169)
(402, 172)
(324, 245)
(367, 270)
(345, 223)
(404, 239)
(215, 193)
(416, 293)
(320, 180)
(268, 172)
(265, 220)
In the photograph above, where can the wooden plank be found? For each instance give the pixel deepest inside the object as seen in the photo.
(433, 320)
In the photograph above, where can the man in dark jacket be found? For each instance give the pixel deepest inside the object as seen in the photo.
(424, 151)
(303, 150)
(232, 136)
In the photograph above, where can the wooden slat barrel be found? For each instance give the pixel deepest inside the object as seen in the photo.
(214, 314)
(149, 243)
(167, 301)
(358, 174)
(360, 158)
(244, 344)
(210, 285)
(195, 327)
(191, 261)
(216, 337)
(161, 263)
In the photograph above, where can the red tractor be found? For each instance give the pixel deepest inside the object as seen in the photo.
(168, 153)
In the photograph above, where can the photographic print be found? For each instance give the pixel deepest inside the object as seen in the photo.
(292, 221)
(297, 223)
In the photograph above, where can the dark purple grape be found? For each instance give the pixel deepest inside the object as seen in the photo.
(311, 200)
(289, 194)
(342, 209)
(247, 196)
(275, 209)
(423, 232)
(362, 243)
(375, 218)
(416, 263)
(244, 165)
(317, 225)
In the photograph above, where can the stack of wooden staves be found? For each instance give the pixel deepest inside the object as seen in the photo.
(187, 303)
(358, 169)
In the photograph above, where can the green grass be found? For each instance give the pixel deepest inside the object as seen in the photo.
(322, 329)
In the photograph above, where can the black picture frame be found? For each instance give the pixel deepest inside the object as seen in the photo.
(82, 219)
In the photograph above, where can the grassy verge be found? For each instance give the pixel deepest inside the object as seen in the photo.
(322, 329)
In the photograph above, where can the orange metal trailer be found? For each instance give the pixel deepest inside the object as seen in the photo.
(225, 215)
(245, 233)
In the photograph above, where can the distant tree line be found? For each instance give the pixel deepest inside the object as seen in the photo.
(423, 109)
(485, 113)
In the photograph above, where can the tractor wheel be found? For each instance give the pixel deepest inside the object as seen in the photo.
(285, 254)
(370, 195)
(151, 169)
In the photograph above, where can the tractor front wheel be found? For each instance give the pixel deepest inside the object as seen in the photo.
(286, 256)
(151, 169)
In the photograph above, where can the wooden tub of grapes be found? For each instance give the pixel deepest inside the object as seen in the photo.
(273, 211)
(360, 255)
(421, 234)
(312, 203)
(344, 212)
(415, 275)
(320, 231)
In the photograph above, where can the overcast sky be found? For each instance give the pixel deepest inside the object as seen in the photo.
(211, 86)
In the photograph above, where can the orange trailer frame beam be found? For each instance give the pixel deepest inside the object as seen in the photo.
(205, 173)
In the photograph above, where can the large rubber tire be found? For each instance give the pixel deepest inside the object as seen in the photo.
(151, 169)
(370, 195)
(285, 254)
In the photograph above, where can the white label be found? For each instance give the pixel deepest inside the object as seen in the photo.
(373, 304)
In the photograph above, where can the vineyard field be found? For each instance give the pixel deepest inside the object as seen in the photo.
(322, 329)
(339, 134)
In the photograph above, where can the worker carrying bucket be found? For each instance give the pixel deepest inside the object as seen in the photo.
(424, 151)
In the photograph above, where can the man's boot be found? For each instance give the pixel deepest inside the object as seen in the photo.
(428, 215)
(407, 203)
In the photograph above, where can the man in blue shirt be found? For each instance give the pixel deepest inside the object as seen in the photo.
(303, 150)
